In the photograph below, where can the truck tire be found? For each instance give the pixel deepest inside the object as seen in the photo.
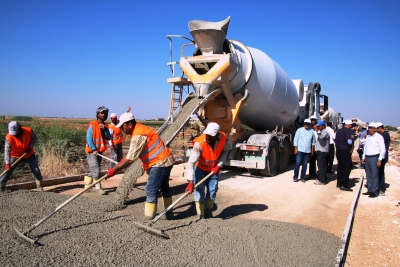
(272, 160)
(284, 156)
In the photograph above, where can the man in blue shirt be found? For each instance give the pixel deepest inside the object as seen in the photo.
(304, 142)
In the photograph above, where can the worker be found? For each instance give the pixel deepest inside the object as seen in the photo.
(206, 156)
(322, 151)
(96, 143)
(304, 145)
(20, 140)
(157, 161)
(386, 137)
(313, 157)
(343, 143)
(374, 153)
(116, 140)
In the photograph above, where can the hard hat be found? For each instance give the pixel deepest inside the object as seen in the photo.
(101, 109)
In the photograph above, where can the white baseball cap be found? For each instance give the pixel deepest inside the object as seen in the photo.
(378, 124)
(372, 124)
(127, 116)
(13, 127)
(113, 115)
(349, 122)
(307, 121)
(212, 129)
(313, 117)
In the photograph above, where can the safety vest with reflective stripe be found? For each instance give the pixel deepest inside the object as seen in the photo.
(18, 147)
(117, 136)
(209, 158)
(99, 141)
(154, 150)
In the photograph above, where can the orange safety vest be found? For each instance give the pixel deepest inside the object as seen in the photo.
(18, 147)
(98, 140)
(209, 158)
(117, 137)
(154, 150)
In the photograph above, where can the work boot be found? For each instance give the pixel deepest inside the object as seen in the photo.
(167, 202)
(199, 210)
(208, 208)
(150, 210)
(2, 187)
(88, 181)
(39, 185)
(99, 190)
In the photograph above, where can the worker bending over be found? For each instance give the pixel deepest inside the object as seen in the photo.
(96, 143)
(20, 140)
(156, 158)
(205, 157)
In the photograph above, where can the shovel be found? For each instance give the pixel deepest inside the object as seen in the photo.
(14, 164)
(104, 157)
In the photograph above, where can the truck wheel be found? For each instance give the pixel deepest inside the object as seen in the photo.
(284, 156)
(272, 160)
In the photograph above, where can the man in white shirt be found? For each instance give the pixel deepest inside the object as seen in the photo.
(374, 153)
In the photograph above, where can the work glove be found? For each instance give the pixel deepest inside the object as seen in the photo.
(190, 187)
(216, 169)
(8, 167)
(110, 172)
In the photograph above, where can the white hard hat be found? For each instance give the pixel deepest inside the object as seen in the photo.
(212, 129)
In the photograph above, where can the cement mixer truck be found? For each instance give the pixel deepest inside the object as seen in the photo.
(248, 94)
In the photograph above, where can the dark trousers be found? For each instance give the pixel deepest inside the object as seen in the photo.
(330, 157)
(382, 185)
(372, 173)
(313, 166)
(344, 167)
(32, 163)
(321, 161)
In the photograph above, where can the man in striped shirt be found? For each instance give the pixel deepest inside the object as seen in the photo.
(304, 142)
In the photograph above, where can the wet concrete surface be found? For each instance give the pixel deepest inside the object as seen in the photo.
(84, 234)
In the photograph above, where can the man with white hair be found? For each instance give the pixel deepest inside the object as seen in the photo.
(343, 143)
(374, 153)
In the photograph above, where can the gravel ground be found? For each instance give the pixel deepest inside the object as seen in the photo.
(83, 234)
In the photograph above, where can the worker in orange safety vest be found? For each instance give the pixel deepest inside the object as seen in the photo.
(116, 140)
(157, 160)
(96, 143)
(205, 157)
(20, 140)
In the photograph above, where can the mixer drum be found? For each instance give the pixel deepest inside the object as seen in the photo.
(273, 98)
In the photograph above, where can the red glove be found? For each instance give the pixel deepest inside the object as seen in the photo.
(216, 169)
(8, 167)
(190, 187)
(110, 172)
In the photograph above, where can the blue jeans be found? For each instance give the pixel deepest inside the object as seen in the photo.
(32, 163)
(301, 159)
(211, 184)
(158, 180)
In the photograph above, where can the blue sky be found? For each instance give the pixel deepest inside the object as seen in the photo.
(66, 58)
